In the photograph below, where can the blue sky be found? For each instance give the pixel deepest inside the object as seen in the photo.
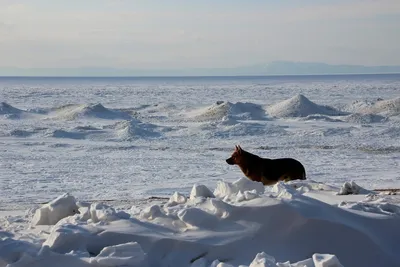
(186, 33)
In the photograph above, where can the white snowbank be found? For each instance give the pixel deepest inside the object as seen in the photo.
(390, 107)
(8, 109)
(351, 188)
(98, 111)
(387, 108)
(55, 210)
(364, 118)
(200, 191)
(10, 112)
(241, 189)
(132, 129)
(128, 254)
(239, 224)
(300, 106)
(221, 109)
(229, 127)
(373, 203)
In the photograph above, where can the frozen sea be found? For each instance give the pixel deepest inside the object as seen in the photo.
(131, 138)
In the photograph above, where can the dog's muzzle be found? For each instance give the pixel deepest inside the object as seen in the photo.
(230, 161)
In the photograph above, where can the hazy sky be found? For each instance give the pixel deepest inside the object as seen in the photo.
(202, 33)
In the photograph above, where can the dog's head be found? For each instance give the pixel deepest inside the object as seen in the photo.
(236, 156)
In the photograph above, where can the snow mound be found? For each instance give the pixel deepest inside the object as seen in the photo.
(241, 189)
(231, 128)
(390, 107)
(9, 111)
(300, 106)
(200, 191)
(364, 118)
(55, 210)
(356, 106)
(310, 185)
(351, 188)
(132, 129)
(221, 109)
(373, 205)
(274, 230)
(12, 250)
(128, 254)
(176, 199)
(98, 111)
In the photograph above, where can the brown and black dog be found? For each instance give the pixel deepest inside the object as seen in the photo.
(267, 171)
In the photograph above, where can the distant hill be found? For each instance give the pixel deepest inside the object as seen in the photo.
(307, 68)
(273, 68)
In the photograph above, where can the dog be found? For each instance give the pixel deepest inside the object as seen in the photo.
(267, 171)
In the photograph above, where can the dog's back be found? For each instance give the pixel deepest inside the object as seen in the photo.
(283, 169)
(267, 171)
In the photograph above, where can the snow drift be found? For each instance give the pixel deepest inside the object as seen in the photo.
(221, 109)
(390, 107)
(387, 108)
(73, 111)
(229, 127)
(300, 106)
(132, 129)
(9, 111)
(239, 223)
(360, 118)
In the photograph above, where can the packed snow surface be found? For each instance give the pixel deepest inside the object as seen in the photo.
(132, 171)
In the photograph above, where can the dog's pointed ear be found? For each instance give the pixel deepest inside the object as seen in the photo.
(239, 149)
(236, 148)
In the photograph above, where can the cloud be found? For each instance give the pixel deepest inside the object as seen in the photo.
(115, 33)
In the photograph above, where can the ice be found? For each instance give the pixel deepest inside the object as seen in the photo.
(349, 188)
(390, 107)
(51, 213)
(128, 130)
(263, 260)
(7, 109)
(200, 191)
(364, 118)
(222, 110)
(147, 183)
(128, 254)
(270, 230)
(300, 106)
(229, 190)
(82, 111)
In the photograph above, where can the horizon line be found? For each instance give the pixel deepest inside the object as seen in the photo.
(199, 76)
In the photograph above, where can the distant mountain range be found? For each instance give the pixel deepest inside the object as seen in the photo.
(273, 68)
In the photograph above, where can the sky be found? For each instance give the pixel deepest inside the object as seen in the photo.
(154, 34)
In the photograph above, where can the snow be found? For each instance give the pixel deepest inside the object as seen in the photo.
(300, 106)
(390, 107)
(130, 254)
(72, 112)
(200, 191)
(278, 228)
(57, 209)
(352, 188)
(221, 110)
(141, 179)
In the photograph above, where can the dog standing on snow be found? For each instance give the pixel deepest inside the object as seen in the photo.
(267, 171)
